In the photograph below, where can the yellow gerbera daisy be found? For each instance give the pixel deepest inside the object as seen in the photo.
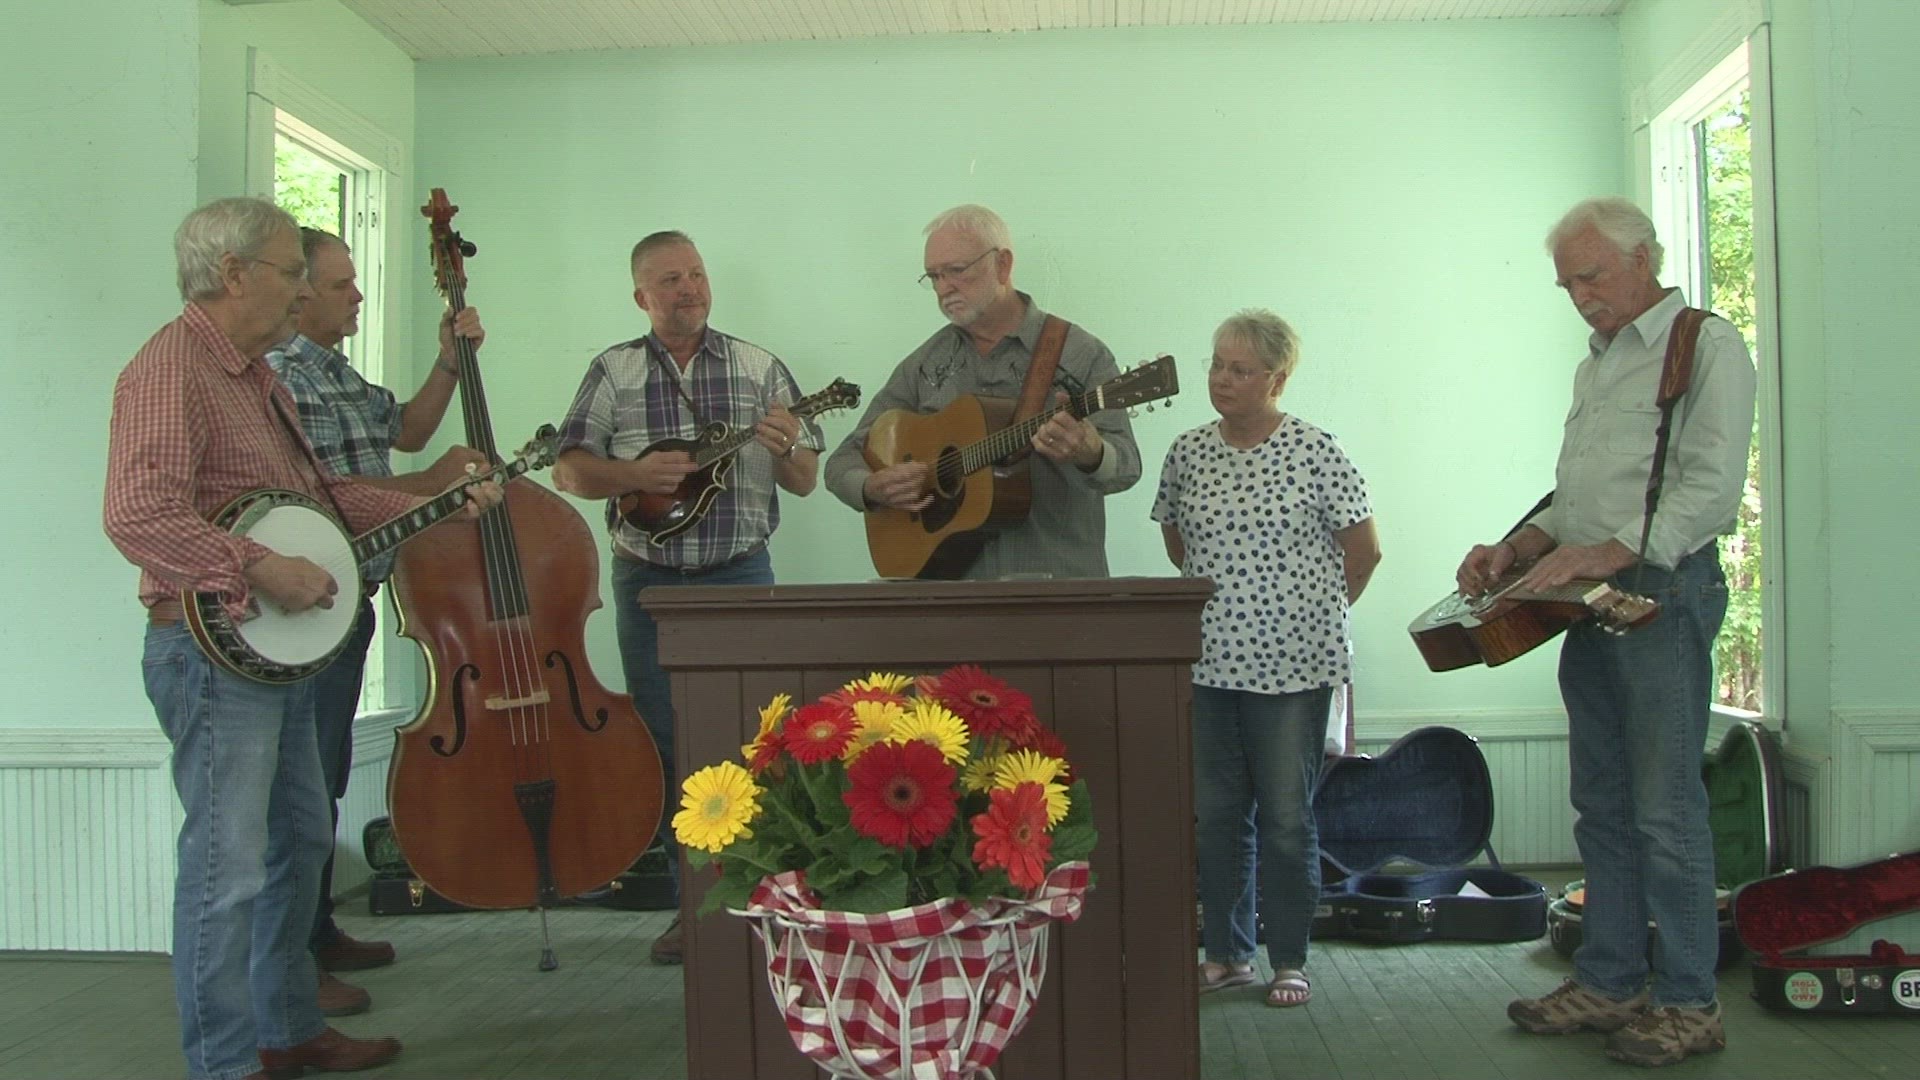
(934, 724)
(979, 773)
(716, 804)
(876, 720)
(885, 682)
(1031, 766)
(764, 745)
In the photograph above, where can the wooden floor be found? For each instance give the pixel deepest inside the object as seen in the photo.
(468, 1002)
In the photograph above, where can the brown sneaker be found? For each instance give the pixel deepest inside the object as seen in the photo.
(342, 999)
(1573, 1008)
(1667, 1035)
(670, 947)
(345, 954)
(328, 1051)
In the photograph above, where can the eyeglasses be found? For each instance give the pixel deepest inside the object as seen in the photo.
(1239, 373)
(951, 271)
(291, 273)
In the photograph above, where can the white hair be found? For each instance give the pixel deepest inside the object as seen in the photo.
(1268, 335)
(1623, 225)
(239, 226)
(976, 221)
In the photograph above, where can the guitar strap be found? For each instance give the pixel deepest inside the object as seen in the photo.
(1676, 378)
(1046, 360)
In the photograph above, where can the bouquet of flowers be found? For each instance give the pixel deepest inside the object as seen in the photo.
(889, 792)
(900, 846)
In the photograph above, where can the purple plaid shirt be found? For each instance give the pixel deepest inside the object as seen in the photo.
(634, 395)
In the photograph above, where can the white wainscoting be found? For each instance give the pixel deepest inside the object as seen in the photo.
(87, 826)
(87, 822)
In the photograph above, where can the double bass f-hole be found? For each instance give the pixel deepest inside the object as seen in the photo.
(600, 715)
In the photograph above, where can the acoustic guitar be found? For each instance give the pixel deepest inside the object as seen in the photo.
(1507, 622)
(271, 645)
(663, 517)
(979, 479)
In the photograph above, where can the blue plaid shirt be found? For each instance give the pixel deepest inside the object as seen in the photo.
(632, 398)
(351, 422)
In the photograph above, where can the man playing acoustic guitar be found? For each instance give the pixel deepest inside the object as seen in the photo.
(993, 334)
(1637, 704)
(670, 384)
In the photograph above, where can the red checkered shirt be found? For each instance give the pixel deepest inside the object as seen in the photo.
(194, 425)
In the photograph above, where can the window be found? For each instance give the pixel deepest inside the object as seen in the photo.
(1711, 205)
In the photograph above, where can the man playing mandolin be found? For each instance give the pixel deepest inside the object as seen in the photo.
(671, 384)
(353, 425)
(1637, 705)
(993, 335)
(199, 419)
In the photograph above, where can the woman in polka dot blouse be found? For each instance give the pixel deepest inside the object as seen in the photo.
(1268, 507)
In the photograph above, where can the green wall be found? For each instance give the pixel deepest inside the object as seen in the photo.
(97, 170)
(1386, 187)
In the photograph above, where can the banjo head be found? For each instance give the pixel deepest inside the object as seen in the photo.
(313, 635)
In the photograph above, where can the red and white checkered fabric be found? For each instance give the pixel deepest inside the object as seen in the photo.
(964, 977)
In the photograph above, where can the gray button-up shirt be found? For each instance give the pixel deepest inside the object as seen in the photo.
(1065, 533)
(1607, 452)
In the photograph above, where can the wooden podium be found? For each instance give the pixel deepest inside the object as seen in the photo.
(1107, 663)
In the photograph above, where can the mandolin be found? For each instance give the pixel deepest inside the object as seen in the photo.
(1507, 622)
(978, 481)
(663, 517)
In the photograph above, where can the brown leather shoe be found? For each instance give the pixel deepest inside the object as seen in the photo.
(342, 999)
(345, 954)
(670, 947)
(328, 1051)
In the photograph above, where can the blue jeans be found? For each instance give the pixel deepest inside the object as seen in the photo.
(640, 659)
(247, 770)
(1255, 760)
(1637, 708)
(336, 700)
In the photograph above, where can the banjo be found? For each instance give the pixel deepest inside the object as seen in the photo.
(272, 645)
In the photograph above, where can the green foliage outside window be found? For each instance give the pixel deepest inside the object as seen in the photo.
(307, 186)
(1727, 154)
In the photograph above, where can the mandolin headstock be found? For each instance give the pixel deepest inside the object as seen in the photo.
(838, 394)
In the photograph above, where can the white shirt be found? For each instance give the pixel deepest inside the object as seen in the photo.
(1260, 522)
(1606, 454)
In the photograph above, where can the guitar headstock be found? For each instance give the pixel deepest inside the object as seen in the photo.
(541, 450)
(1155, 379)
(1618, 611)
(448, 249)
(839, 394)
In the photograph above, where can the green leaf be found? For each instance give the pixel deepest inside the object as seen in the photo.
(735, 887)
(883, 893)
(1072, 842)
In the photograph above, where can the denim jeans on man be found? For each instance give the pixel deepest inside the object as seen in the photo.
(1637, 708)
(640, 659)
(247, 770)
(1255, 760)
(336, 699)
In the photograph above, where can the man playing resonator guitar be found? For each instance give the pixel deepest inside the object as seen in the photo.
(198, 419)
(1637, 704)
(994, 334)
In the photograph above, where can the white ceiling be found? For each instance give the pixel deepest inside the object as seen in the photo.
(445, 29)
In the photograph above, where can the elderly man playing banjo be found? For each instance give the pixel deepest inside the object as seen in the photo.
(198, 419)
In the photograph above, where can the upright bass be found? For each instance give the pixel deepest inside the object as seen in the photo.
(523, 781)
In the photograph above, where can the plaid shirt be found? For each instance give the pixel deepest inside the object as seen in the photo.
(632, 398)
(194, 425)
(351, 422)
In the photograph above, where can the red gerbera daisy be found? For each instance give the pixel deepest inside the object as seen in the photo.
(990, 707)
(818, 732)
(1041, 740)
(900, 793)
(1013, 834)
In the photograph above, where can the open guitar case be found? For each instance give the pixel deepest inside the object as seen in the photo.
(1426, 800)
(1778, 917)
(1742, 777)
